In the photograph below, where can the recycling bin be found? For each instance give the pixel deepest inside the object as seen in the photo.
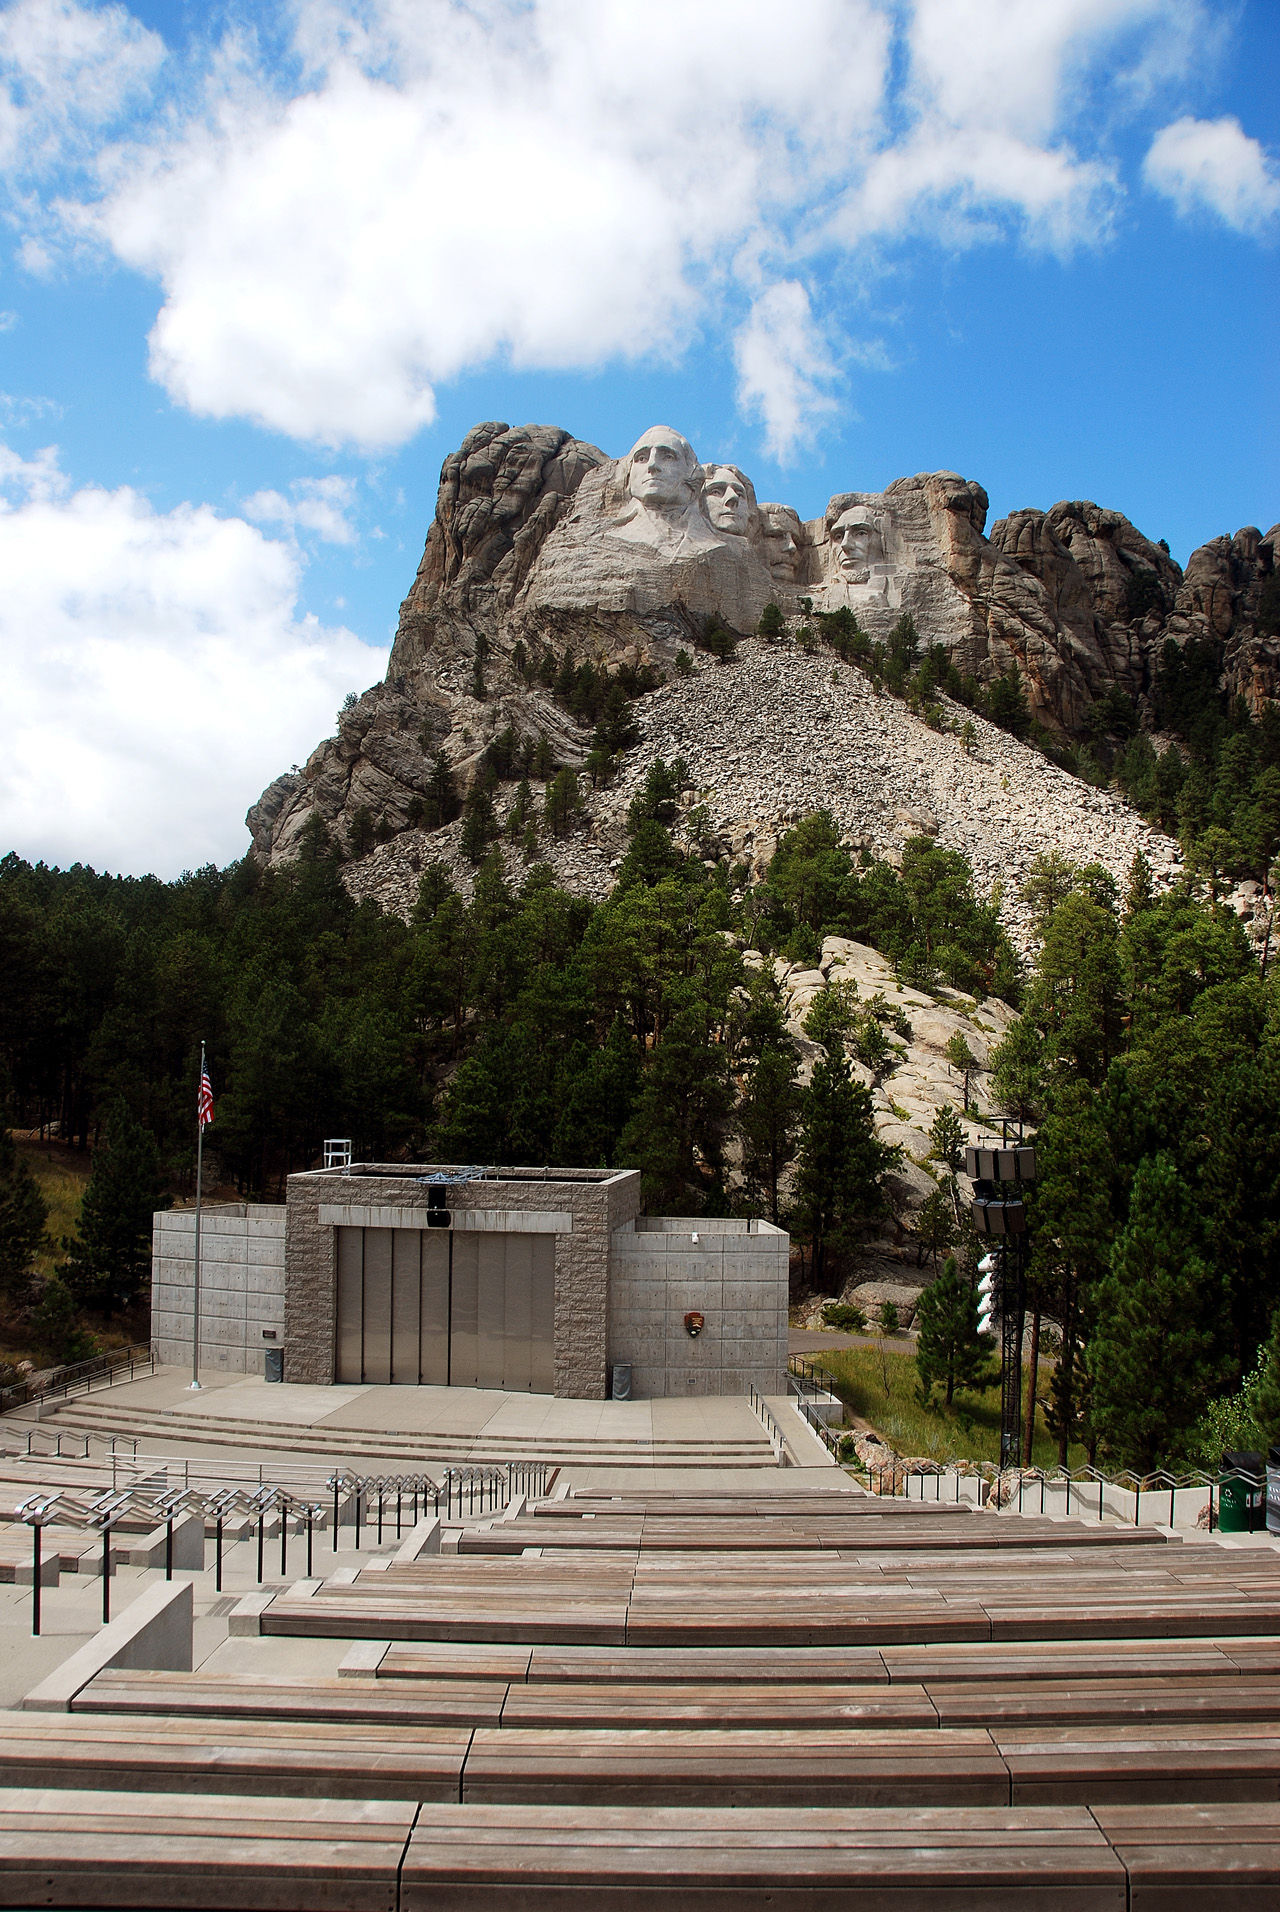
(274, 1363)
(621, 1381)
(1273, 1490)
(1241, 1493)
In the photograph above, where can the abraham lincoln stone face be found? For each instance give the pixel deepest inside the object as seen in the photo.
(857, 544)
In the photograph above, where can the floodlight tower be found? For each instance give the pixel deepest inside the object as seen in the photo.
(1000, 1214)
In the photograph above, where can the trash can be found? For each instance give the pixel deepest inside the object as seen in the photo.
(1273, 1491)
(1241, 1494)
(274, 1363)
(622, 1381)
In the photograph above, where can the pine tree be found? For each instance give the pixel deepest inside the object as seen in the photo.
(719, 640)
(1007, 703)
(441, 802)
(23, 1214)
(1140, 894)
(949, 1348)
(479, 825)
(768, 1115)
(947, 1136)
(676, 1133)
(109, 1258)
(360, 831)
(842, 1164)
(962, 1060)
(1266, 1399)
(935, 1226)
(563, 807)
(55, 1327)
(1151, 1353)
(772, 623)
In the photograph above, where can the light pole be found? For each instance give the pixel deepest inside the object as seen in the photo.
(1000, 1215)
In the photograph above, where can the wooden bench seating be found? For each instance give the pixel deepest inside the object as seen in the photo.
(925, 1860)
(735, 1764)
(949, 1664)
(210, 1696)
(742, 1767)
(98, 1848)
(1197, 1858)
(149, 1753)
(1151, 1764)
(94, 1848)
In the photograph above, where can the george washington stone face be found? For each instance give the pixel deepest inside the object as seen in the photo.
(663, 483)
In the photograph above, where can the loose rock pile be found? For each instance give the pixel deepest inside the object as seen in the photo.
(779, 733)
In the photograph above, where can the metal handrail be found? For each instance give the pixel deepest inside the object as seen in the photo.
(771, 1425)
(139, 1358)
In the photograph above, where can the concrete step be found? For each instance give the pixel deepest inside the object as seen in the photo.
(462, 1449)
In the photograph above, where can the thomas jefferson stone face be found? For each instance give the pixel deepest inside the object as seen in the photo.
(727, 499)
(857, 544)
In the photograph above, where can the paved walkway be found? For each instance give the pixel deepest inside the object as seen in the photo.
(239, 1398)
(238, 1421)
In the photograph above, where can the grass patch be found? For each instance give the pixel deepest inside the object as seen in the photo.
(63, 1175)
(969, 1432)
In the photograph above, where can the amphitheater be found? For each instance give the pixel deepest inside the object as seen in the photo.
(421, 1648)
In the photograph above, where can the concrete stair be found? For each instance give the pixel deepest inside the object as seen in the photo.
(159, 1429)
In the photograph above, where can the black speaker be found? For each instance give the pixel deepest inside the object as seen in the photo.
(439, 1218)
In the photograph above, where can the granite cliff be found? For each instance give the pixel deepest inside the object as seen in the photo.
(542, 544)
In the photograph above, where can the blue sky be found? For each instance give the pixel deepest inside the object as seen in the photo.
(262, 267)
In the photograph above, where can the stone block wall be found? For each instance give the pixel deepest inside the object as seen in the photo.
(733, 1273)
(597, 1201)
(242, 1283)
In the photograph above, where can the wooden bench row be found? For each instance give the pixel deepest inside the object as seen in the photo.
(594, 1705)
(979, 1661)
(98, 1849)
(764, 1618)
(870, 1767)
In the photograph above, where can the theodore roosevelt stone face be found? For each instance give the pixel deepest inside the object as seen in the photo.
(783, 542)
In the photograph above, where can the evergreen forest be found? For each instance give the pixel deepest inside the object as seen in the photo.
(528, 1025)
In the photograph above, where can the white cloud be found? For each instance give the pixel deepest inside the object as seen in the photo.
(156, 671)
(318, 505)
(566, 183)
(418, 188)
(66, 71)
(1213, 166)
(784, 368)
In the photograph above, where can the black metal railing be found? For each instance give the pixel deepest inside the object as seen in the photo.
(813, 1383)
(113, 1364)
(772, 1428)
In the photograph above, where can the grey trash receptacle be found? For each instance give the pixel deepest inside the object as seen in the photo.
(622, 1380)
(1273, 1490)
(274, 1360)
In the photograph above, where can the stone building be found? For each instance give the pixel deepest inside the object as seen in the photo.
(533, 1280)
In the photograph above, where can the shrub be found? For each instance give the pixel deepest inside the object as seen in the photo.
(845, 1314)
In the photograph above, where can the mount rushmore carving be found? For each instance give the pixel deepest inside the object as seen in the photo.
(541, 541)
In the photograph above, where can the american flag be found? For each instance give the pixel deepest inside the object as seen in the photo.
(204, 1102)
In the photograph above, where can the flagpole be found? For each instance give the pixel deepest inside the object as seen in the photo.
(195, 1320)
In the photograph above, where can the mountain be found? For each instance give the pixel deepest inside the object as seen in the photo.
(553, 573)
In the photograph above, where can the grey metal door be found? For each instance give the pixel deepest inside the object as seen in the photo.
(467, 1310)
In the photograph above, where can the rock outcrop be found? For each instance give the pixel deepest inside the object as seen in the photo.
(542, 544)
